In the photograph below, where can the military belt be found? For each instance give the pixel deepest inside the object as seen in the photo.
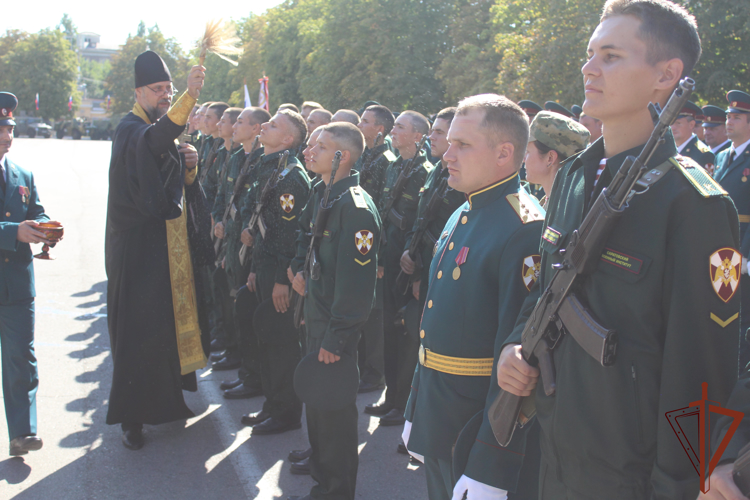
(744, 219)
(473, 367)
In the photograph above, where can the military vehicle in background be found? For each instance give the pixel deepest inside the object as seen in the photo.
(75, 128)
(32, 127)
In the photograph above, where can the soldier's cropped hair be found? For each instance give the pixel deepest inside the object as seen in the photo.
(383, 116)
(288, 105)
(259, 115)
(218, 108)
(311, 105)
(347, 115)
(503, 119)
(298, 126)
(233, 113)
(419, 122)
(668, 29)
(327, 115)
(446, 114)
(347, 137)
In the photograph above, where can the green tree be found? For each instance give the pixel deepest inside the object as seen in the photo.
(93, 75)
(7, 43)
(42, 63)
(71, 32)
(252, 31)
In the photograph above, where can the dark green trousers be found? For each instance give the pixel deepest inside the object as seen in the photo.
(225, 303)
(244, 308)
(439, 479)
(333, 438)
(371, 363)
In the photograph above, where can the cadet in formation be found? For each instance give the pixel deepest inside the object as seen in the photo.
(688, 143)
(604, 431)
(20, 215)
(157, 237)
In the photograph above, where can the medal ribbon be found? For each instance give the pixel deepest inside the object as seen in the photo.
(462, 256)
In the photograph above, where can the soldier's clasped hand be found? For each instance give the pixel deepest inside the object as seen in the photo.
(407, 265)
(27, 233)
(190, 154)
(514, 374)
(722, 485)
(195, 81)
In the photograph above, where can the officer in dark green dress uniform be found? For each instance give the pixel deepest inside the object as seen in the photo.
(246, 129)
(272, 240)
(372, 166)
(687, 142)
(339, 303)
(485, 262)
(400, 351)
(733, 173)
(667, 281)
(715, 129)
(20, 213)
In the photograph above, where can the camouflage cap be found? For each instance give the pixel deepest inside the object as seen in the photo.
(563, 134)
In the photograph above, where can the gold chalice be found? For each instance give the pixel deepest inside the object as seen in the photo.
(53, 231)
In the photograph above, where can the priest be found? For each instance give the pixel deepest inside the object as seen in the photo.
(158, 234)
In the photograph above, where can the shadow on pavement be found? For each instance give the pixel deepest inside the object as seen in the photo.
(14, 470)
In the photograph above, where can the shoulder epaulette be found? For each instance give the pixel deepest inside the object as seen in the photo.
(358, 197)
(389, 155)
(698, 177)
(526, 206)
(702, 147)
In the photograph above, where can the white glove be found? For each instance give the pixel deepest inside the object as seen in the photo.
(405, 436)
(475, 490)
(745, 266)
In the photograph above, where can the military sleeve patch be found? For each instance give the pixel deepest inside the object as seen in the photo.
(363, 240)
(287, 202)
(725, 272)
(532, 266)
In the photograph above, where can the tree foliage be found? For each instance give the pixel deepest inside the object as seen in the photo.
(42, 63)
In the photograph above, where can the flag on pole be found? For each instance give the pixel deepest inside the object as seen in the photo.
(247, 96)
(263, 93)
(70, 103)
(36, 101)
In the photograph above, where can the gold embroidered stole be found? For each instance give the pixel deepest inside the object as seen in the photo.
(184, 300)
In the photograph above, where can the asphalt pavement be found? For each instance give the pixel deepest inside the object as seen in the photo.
(209, 456)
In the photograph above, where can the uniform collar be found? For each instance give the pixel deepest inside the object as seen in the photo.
(682, 146)
(344, 184)
(718, 149)
(487, 195)
(741, 148)
(594, 153)
(276, 156)
(378, 149)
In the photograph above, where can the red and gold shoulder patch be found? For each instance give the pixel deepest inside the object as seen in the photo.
(287, 202)
(532, 266)
(725, 265)
(363, 239)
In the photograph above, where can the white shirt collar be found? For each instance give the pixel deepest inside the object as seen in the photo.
(741, 148)
(682, 146)
(717, 148)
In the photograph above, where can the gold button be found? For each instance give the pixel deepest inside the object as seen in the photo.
(7, 260)
(440, 274)
(7, 214)
(421, 334)
(450, 247)
(464, 219)
(429, 305)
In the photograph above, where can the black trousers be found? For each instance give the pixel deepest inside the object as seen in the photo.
(333, 438)
(401, 350)
(244, 308)
(225, 304)
(370, 352)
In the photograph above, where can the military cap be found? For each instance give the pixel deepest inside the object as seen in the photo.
(8, 103)
(530, 107)
(563, 134)
(556, 108)
(367, 105)
(577, 110)
(713, 116)
(150, 68)
(692, 110)
(326, 387)
(739, 102)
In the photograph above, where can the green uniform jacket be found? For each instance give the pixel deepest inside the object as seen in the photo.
(16, 261)
(372, 171)
(305, 225)
(731, 176)
(280, 214)
(700, 152)
(739, 401)
(471, 317)
(453, 199)
(339, 303)
(604, 432)
(227, 174)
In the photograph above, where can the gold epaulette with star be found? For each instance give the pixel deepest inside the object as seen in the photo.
(698, 177)
(526, 206)
(389, 155)
(702, 147)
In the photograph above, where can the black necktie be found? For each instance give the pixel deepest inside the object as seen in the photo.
(2, 179)
(732, 155)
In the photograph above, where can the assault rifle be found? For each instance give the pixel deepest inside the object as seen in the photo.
(231, 210)
(262, 200)
(558, 310)
(209, 159)
(394, 196)
(438, 195)
(311, 268)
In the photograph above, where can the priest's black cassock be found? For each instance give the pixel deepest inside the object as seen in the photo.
(147, 259)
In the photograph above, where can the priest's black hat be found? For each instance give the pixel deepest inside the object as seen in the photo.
(150, 68)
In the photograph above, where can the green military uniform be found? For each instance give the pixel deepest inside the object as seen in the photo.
(667, 283)
(337, 306)
(485, 262)
(373, 165)
(400, 350)
(697, 150)
(279, 348)
(738, 401)
(216, 174)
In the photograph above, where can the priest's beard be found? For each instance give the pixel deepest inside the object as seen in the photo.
(159, 110)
